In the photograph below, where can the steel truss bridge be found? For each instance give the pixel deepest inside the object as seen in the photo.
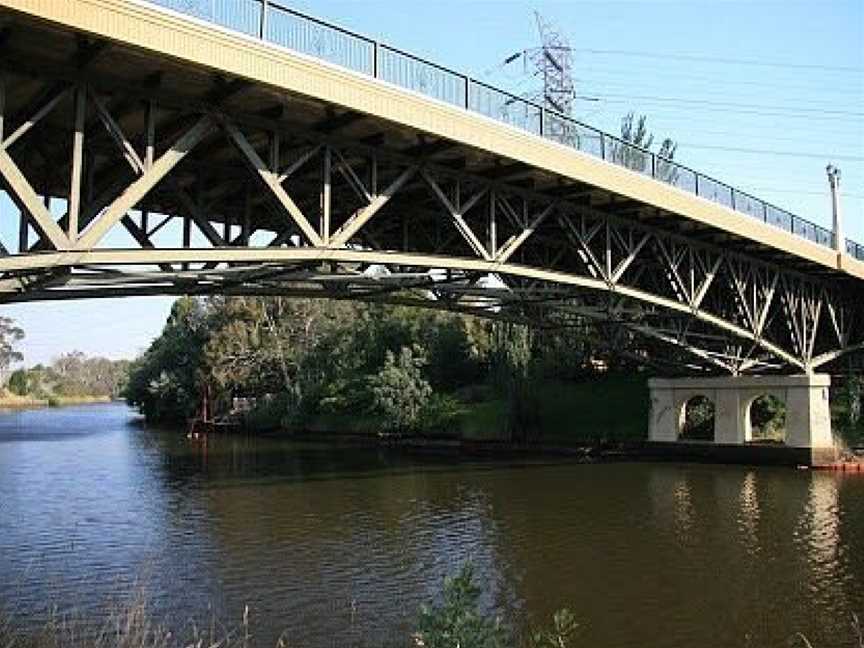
(150, 153)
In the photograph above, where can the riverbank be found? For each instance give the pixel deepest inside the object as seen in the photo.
(458, 621)
(604, 410)
(604, 418)
(752, 454)
(10, 401)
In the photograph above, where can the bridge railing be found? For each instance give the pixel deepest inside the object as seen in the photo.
(272, 21)
(855, 250)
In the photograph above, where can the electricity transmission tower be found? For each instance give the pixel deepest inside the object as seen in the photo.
(551, 64)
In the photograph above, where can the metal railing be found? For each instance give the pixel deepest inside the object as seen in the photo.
(276, 23)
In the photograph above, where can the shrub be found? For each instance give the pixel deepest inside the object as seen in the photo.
(19, 383)
(564, 627)
(399, 391)
(269, 413)
(457, 621)
(439, 414)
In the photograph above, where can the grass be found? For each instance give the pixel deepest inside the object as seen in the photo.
(483, 421)
(602, 408)
(133, 626)
(346, 423)
(129, 626)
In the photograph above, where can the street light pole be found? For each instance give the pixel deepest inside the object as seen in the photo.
(834, 182)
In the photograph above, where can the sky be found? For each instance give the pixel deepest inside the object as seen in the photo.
(761, 95)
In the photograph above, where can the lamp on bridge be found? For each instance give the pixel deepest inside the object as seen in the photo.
(834, 182)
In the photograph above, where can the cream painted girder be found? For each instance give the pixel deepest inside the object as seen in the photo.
(144, 26)
(348, 220)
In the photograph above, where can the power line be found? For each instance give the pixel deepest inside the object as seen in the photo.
(826, 193)
(801, 154)
(636, 75)
(712, 88)
(760, 136)
(742, 111)
(723, 61)
(750, 129)
(729, 104)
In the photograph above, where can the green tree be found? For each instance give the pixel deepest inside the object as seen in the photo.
(19, 382)
(167, 380)
(768, 418)
(848, 408)
(10, 335)
(564, 628)
(634, 151)
(454, 356)
(852, 392)
(514, 376)
(699, 419)
(399, 391)
(457, 621)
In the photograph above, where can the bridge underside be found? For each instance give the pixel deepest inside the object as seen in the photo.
(135, 174)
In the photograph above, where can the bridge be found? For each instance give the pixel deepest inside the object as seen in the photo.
(239, 147)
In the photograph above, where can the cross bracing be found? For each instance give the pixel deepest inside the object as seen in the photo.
(133, 175)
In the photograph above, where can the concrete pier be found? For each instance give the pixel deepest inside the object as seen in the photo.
(808, 418)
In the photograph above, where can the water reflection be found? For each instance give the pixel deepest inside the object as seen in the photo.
(748, 516)
(341, 545)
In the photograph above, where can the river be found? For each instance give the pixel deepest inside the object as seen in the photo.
(338, 546)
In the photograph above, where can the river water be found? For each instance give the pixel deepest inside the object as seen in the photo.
(338, 546)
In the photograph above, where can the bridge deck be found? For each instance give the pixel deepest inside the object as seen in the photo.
(266, 89)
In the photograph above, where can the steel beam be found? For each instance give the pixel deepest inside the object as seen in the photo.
(74, 207)
(271, 182)
(30, 202)
(138, 189)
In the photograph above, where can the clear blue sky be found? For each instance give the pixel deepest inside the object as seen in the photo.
(780, 83)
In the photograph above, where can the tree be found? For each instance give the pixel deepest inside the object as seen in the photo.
(768, 418)
(167, 380)
(18, 382)
(10, 335)
(513, 368)
(634, 151)
(399, 390)
(454, 357)
(564, 627)
(457, 621)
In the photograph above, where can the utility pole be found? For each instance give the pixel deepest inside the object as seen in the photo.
(834, 183)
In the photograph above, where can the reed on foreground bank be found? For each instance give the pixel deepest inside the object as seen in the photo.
(131, 626)
(454, 621)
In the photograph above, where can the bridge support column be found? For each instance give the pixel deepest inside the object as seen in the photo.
(808, 418)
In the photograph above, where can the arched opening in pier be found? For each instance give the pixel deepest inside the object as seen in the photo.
(697, 420)
(766, 420)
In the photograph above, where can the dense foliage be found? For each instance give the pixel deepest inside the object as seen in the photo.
(72, 375)
(165, 381)
(302, 359)
(10, 335)
(308, 364)
(458, 620)
(847, 394)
